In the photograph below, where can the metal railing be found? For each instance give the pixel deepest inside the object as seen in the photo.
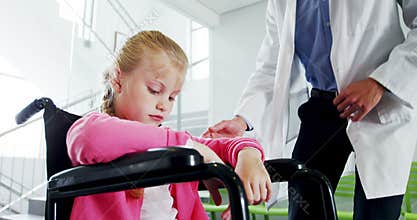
(17, 127)
(19, 190)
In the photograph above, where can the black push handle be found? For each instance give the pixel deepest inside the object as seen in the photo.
(31, 109)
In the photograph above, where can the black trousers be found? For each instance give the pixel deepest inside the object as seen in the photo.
(323, 145)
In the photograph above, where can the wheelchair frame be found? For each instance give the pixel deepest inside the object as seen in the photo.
(151, 168)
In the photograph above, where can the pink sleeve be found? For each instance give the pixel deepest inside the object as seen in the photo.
(228, 148)
(99, 138)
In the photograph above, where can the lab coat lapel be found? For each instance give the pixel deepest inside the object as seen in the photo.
(282, 82)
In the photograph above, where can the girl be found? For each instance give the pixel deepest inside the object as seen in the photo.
(141, 89)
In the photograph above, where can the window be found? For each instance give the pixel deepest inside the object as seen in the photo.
(191, 111)
(80, 12)
(16, 93)
(192, 106)
(199, 52)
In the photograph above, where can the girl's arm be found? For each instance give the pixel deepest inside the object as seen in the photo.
(228, 148)
(99, 138)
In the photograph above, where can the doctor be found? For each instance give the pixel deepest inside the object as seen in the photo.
(363, 74)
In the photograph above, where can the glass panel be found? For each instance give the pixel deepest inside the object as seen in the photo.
(201, 70)
(194, 106)
(200, 44)
(23, 92)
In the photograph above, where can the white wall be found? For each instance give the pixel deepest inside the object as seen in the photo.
(35, 42)
(39, 45)
(235, 43)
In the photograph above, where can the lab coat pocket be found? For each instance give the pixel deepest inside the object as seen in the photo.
(390, 110)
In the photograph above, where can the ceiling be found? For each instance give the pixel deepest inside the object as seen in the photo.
(209, 12)
(223, 6)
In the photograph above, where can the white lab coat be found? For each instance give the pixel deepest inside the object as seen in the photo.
(367, 42)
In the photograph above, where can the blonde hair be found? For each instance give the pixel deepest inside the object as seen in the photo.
(132, 54)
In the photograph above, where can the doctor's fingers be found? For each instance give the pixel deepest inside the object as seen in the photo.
(350, 111)
(223, 125)
(360, 114)
(340, 98)
(354, 108)
(220, 134)
(206, 134)
(346, 103)
(217, 127)
(211, 131)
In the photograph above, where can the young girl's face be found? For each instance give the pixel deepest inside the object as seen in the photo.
(147, 93)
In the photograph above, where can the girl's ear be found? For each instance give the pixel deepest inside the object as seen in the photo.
(116, 81)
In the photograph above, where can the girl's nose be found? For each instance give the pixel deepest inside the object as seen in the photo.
(161, 106)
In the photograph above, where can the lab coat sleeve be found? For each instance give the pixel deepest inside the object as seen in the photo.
(258, 91)
(399, 73)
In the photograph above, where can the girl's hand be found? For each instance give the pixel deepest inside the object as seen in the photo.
(226, 214)
(254, 176)
(135, 193)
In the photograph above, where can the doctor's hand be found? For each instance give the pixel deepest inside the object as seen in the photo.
(227, 128)
(358, 99)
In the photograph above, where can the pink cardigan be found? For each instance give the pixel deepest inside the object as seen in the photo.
(99, 138)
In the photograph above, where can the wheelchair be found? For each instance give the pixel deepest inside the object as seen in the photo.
(151, 168)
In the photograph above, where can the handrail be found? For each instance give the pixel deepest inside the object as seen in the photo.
(10, 189)
(11, 180)
(23, 196)
(11, 76)
(12, 210)
(121, 16)
(88, 97)
(127, 14)
(30, 191)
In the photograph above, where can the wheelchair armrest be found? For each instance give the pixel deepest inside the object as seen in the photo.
(281, 170)
(151, 168)
(130, 167)
(291, 170)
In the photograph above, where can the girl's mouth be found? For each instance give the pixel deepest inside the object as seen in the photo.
(158, 118)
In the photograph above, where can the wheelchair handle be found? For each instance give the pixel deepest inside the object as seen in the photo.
(33, 108)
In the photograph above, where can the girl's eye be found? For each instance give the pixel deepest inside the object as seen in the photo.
(153, 91)
(171, 99)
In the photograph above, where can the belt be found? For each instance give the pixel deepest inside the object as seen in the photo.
(317, 93)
